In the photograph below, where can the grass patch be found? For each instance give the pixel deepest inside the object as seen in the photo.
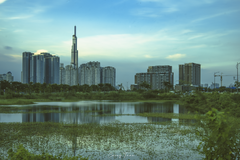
(16, 101)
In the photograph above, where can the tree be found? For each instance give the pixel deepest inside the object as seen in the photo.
(86, 88)
(44, 87)
(167, 85)
(120, 87)
(16, 86)
(236, 84)
(30, 88)
(145, 85)
(37, 87)
(95, 87)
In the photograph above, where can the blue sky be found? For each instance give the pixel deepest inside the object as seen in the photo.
(129, 35)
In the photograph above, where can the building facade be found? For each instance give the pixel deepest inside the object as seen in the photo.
(7, 77)
(190, 73)
(108, 75)
(62, 73)
(26, 57)
(37, 69)
(52, 64)
(156, 76)
(90, 73)
(40, 68)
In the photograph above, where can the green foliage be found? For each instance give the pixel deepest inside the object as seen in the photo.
(24, 154)
(144, 85)
(150, 95)
(219, 139)
(203, 102)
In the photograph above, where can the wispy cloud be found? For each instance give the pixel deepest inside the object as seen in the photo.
(148, 56)
(18, 30)
(199, 46)
(186, 31)
(8, 48)
(215, 15)
(20, 17)
(176, 56)
(16, 56)
(1, 1)
(196, 36)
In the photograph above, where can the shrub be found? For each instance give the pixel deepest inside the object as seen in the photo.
(219, 139)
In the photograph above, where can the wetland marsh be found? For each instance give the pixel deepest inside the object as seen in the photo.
(100, 129)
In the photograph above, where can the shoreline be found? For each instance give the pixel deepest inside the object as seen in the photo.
(6, 102)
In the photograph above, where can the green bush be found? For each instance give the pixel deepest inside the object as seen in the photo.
(24, 154)
(149, 95)
(219, 139)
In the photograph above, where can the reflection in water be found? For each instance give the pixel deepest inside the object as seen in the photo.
(83, 112)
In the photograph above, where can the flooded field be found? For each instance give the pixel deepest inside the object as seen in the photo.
(102, 130)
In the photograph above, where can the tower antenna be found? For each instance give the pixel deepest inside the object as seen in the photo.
(75, 30)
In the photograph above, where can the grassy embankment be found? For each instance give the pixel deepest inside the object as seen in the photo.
(18, 99)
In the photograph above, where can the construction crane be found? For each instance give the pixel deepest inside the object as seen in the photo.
(223, 75)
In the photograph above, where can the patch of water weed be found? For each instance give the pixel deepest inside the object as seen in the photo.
(143, 140)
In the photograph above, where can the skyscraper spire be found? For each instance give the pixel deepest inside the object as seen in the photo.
(74, 52)
(75, 30)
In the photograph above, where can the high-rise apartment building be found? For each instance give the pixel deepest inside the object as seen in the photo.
(156, 76)
(70, 75)
(40, 68)
(190, 73)
(51, 68)
(165, 73)
(37, 69)
(26, 57)
(108, 75)
(62, 73)
(90, 73)
(67, 75)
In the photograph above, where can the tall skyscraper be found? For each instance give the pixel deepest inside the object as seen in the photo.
(74, 52)
(74, 56)
(190, 73)
(26, 57)
(108, 75)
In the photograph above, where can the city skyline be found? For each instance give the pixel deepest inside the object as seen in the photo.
(129, 35)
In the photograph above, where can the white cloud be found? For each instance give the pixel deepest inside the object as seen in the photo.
(1, 1)
(176, 56)
(40, 51)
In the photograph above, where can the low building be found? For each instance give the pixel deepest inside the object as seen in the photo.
(7, 77)
(183, 88)
(134, 86)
